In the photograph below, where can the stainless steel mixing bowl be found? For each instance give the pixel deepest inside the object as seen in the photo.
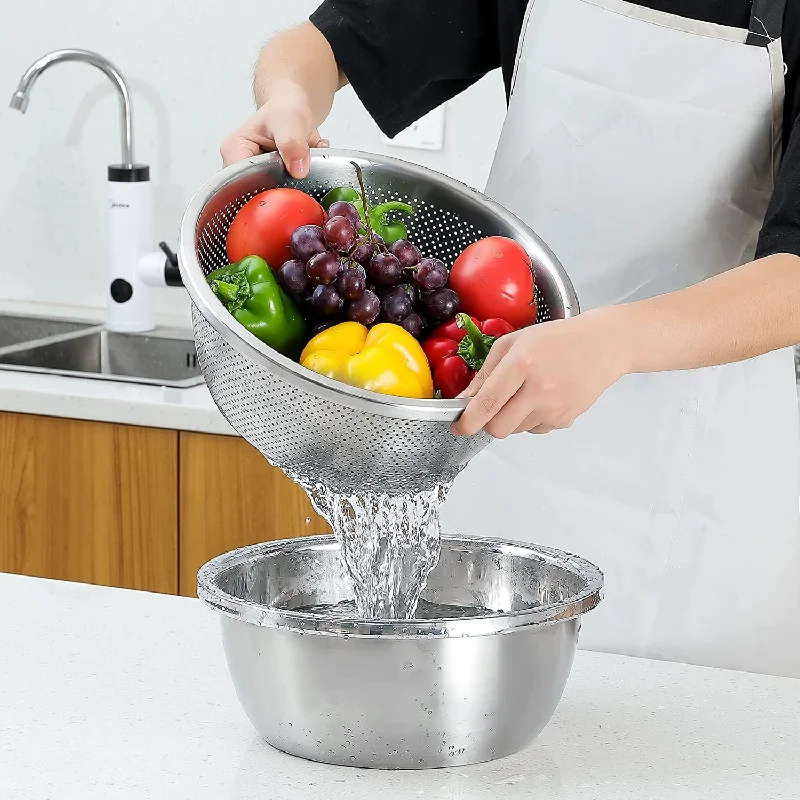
(407, 694)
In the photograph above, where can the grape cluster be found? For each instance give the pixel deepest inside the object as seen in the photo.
(342, 271)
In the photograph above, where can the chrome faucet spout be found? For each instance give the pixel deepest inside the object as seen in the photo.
(21, 97)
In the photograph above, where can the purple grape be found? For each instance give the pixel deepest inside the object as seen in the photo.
(326, 301)
(411, 290)
(293, 277)
(307, 241)
(363, 252)
(364, 310)
(378, 239)
(414, 324)
(431, 274)
(347, 210)
(396, 306)
(401, 290)
(442, 305)
(340, 234)
(322, 326)
(324, 268)
(406, 253)
(352, 282)
(385, 269)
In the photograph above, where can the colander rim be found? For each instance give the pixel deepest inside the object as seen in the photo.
(209, 306)
(263, 615)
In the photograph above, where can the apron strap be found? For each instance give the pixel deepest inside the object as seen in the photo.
(766, 22)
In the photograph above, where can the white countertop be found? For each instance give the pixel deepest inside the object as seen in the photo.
(107, 693)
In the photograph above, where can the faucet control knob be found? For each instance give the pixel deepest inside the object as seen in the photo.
(160, 268)
(172, 272)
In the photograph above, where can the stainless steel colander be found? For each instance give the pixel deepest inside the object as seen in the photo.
(316, 429)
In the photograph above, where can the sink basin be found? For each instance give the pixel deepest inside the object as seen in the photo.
(162, 358)
(18, 329)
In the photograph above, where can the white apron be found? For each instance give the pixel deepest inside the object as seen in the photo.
(642, 147)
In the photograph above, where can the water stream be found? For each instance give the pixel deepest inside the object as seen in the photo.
(389, 545)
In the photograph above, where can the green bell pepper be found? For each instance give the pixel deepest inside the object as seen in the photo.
(249, 291)
(389, 230)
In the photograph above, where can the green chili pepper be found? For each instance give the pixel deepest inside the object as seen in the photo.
(249, 291)
(346, 194)
(390, 230)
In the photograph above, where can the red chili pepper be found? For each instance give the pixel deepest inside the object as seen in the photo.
(457, 350)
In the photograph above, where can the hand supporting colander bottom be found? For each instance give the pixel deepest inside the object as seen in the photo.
(315, 429)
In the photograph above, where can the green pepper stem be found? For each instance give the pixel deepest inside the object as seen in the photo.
(475, 346)
(227, 292)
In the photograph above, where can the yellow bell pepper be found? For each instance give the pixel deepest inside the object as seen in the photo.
(385, 359)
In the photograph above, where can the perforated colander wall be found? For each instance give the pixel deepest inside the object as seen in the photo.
(316, 440)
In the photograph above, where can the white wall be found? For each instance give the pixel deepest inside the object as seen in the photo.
(189, 67)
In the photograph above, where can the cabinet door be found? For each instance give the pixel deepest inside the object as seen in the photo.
(231, 497)
(89, 501)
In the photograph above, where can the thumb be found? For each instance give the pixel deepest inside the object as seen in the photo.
(292, 143)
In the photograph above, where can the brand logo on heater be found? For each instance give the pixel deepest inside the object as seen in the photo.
(112, 204)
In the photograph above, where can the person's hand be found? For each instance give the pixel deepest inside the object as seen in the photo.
(544, 377)
(284, 123)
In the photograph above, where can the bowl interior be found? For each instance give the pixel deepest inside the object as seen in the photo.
(501, 577)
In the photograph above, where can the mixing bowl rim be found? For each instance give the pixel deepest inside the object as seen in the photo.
(490, 624)
(240, 339)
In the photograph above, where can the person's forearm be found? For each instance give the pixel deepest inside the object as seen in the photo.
(299, 59)
(742, 313)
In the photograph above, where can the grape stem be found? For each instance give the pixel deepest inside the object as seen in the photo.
(360, 176)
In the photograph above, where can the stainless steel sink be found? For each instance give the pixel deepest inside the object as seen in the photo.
(16, 329)
(163, 358)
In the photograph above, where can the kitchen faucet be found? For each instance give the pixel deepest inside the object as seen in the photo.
(133, 267)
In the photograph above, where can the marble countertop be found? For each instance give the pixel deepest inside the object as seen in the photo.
(108, 693)
(111, 401)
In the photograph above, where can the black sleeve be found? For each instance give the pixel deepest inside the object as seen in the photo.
(406, 57)
(781, 231)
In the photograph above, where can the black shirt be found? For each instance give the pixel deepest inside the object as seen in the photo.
(405, 57)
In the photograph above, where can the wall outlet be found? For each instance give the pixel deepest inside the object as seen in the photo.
(425, 134)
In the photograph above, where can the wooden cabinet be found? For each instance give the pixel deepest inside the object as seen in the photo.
(139, 508)
(230, 497)
(89, 501)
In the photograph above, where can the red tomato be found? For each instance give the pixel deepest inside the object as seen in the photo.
(264, 225)
(493, 278)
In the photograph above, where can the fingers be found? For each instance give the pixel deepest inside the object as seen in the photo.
(516, 414)
(316, 140)
(531, 423)
(237, 148)
(496, 390)
(287, 136)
